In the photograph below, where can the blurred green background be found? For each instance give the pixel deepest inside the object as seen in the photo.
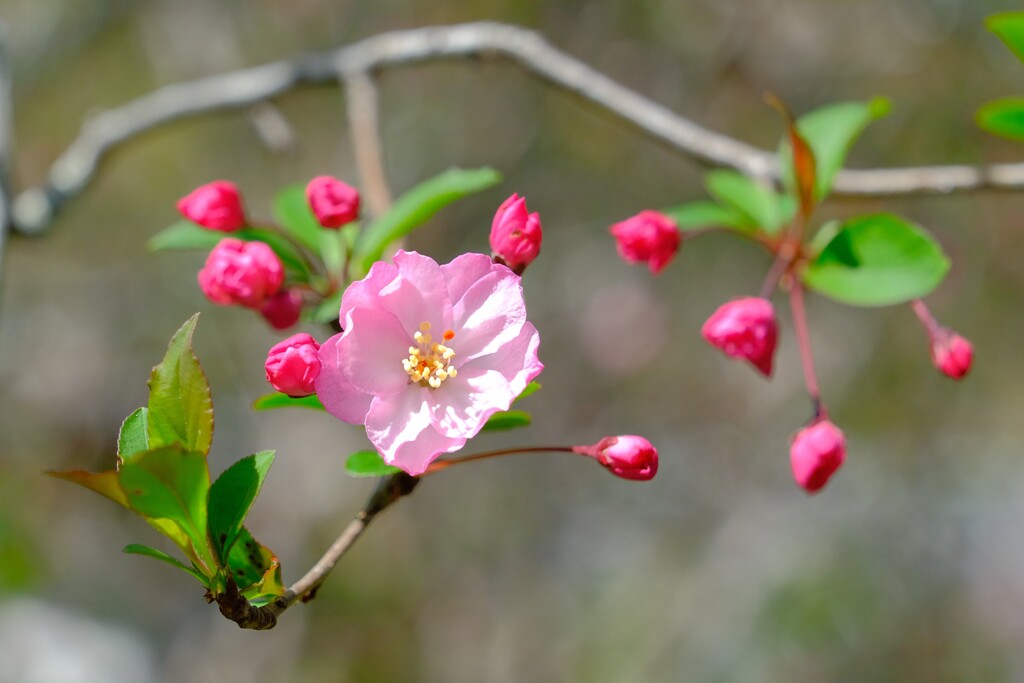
(908, 567)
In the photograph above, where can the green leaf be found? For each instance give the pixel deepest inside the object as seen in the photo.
(416, 207)
(254, 568)
(279, 400)
(133, 437)
(1003, 117)
(705, 213)
(172, 485)
(328, 309)
(1010, 27)
(826, 233)
(104, 483)
(180, 408)
(188, 235)
(139, 549)
(831, 131)
(531, 388)
(231, 497)
(292, 212)
(368, 464)
(507, 419)
(757, 205)
(877, 260)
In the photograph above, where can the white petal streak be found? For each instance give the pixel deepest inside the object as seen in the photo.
(463, 403)
(400, 428)
(490, 314)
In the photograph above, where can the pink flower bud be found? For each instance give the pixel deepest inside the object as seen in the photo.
(242, 273)
(816, 453)
(283, 309)
(952, 354)
(515, 234)
(629, 456)
(648, 236)
(334, 203)
(746, 329)
(216, 206)
(293, 365)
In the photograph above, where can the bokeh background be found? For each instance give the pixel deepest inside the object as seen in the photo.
(908, 567)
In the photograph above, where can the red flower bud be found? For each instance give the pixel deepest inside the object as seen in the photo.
(333, 202)
(515, 234)
(629, 456)
(216, 206)
(648, 236)
(241, 273)
(952, 354)
(816, 453)
(746, 329)
(293, 365)
(283, 309)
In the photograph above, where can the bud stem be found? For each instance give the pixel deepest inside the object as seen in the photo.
(931, 325)
(803, 338)
(438, 465)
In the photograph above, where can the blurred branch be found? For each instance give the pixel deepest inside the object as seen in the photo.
(6, 139)
(363, 124)
(74, 169)
(236, 608)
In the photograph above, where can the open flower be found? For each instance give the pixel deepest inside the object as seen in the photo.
(428, 353)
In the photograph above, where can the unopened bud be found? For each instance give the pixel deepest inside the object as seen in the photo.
(648, 237)
(241, 273)
(745, 329)
(515, 234)
(816, 453)
(628, 456)
(293, 365)
(333, 202)
(216, 205)
(952, 354)
(283, 309)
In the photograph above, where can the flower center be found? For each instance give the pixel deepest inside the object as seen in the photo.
(429, 363)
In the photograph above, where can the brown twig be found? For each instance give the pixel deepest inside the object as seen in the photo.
(361, 99)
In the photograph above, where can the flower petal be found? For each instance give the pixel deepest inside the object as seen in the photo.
(516, 360)
(399, 427)
(419, 293)
(337, 394)
(371, 351)
(461, 406)
(488, 315)
(464, 271)
(365, 293)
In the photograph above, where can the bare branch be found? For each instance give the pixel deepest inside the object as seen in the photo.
(362, 117)
(35, 208)
(6, 139)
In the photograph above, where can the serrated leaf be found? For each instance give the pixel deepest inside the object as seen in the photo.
(830, 131)
(292, 212)
(877, 260)
(231, 497)
(531, 388)
(252, 564)
(1003, 117)
(133, 437)
(104, 483)
(1009, 26)
(416, 207)
(180, 408)
(705, 213)
(145, 550)
(507, 419)
(279, 400)
(172, 485)
(368, 464)
(757, 205)
(187, 235)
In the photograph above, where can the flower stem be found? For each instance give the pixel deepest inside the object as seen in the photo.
(439, 465)
(803, 338)
(931, 325)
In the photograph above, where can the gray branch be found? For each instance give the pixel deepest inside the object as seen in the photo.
(74, 169)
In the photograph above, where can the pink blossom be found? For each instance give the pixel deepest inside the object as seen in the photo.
(242, 273)
(951, 353)
(629, 456)
(649, 237)
(216, 205)
(817, 452)
(282, 310)
(293, 365)
(333, 202)
(428, 353)
(515, 234)
(746, 329)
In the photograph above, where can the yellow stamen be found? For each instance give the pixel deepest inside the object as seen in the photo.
(429, 363)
